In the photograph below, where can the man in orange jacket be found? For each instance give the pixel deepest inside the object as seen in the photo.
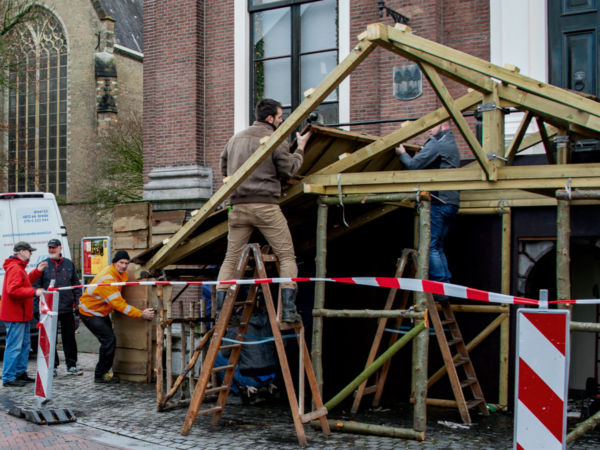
(98, 302)
(16, 310)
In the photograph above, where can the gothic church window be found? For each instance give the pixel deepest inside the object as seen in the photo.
(294, 47)
(37, 108)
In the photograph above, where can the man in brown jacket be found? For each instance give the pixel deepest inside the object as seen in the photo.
(255, 203)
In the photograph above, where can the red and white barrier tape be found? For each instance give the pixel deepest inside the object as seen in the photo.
(408, 284)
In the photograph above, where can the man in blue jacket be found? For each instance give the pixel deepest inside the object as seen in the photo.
(439, 152)
(63, 271)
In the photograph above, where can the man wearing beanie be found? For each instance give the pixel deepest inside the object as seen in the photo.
(95, 305)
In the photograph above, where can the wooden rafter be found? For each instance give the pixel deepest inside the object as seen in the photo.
(356, 56)
(546, 141)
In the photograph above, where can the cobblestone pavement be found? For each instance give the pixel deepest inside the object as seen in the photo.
(124, 416)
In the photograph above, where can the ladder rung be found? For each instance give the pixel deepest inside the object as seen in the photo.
(203, 412)
(461, 360)
(447, 321)
(468, 382)
(245, 302)
(475, 402)
(454, 341)
(216, 389)
(304, 418)
(228, 346)
(221, 368)
(269, 257)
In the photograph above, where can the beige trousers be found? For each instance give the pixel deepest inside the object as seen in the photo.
(270, 221)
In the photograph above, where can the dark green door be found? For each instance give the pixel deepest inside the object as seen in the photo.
(574, 32)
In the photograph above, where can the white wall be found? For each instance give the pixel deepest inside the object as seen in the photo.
(519, 36)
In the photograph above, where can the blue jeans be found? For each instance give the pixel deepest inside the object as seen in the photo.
(16, 353)
(240, 380)
(441, 218)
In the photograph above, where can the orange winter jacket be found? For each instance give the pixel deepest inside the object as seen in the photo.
(102, 300)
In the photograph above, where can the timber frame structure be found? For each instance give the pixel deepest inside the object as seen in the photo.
(491, 184)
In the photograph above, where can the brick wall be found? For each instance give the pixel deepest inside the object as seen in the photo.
(173, 83)
(188, 72)
(463, 25)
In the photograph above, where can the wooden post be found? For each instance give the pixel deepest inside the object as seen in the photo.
(422, 340)
(169, 356)
(505, 326)
(321, 271)
(562, 147)
(563, 260)
(493, 128)
(160, 337)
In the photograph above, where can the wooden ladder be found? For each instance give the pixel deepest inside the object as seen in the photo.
(449, 336)
(253, 252)
(409, 256)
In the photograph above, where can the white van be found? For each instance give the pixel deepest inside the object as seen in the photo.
(32, 217)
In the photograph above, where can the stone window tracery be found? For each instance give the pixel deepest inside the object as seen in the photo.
(37, 108)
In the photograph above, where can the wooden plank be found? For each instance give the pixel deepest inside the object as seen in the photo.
(131, 240)
(131, 217)
(167, 222)
(456, 114)
(382, 32)
(356, 56)
(207, 237)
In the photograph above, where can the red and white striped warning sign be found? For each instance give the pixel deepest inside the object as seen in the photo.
(46, 345)
(542, 367)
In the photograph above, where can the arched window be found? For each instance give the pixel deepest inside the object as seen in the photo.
(37, 113)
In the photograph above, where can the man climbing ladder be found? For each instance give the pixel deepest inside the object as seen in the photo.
(255, 203)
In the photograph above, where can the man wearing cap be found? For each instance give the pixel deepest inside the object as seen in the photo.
(16, 310)
(63, 271)
(95, 305)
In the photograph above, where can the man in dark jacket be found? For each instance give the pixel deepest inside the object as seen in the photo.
(63, 271)
(255, 203)
(16, 310)
(439, 152)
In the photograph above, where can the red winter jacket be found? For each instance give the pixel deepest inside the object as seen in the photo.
(17, 293)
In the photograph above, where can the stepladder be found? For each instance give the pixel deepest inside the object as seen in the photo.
(406, 264)
(461, 372)
(254, 259)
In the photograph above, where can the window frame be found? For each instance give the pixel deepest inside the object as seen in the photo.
(295, 54)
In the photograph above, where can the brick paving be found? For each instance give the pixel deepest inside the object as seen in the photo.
(124, 416)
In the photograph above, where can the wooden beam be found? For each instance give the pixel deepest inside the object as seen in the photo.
(564, 114)
(379, 32)
(547, 144)
(509, 177)
(511, 151)
(356, 56)
(456, 114)
(406, 132)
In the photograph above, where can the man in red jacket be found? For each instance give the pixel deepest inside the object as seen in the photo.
(16, 310)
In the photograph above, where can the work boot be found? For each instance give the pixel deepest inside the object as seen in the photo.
(289, 314)
(234, 320)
